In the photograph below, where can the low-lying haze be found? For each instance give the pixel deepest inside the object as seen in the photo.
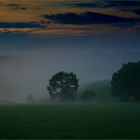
(24, 70)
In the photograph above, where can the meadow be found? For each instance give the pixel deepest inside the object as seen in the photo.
(75, 120)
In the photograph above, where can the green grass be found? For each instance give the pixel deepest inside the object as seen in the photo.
(108, 120)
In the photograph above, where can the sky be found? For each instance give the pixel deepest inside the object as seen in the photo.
(38, 38)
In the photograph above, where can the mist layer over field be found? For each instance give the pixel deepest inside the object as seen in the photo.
(25, 71)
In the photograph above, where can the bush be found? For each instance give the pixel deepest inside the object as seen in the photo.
(88, 96)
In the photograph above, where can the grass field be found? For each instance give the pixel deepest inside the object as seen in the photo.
(108, 120)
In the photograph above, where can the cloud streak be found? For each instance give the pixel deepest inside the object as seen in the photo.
(16, 6)
(136, 11)
(88, 18)
(20, 25)
(107, 4)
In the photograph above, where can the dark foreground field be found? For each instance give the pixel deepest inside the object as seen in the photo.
(118, 120)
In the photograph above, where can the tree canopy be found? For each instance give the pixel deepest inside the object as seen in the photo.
(63, 86)
(126, 81)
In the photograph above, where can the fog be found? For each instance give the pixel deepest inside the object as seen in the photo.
(27, 73)
(27, 63)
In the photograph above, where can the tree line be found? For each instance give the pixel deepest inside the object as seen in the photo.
(125, 84)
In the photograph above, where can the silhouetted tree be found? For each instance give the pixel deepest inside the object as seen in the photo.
(63, 86)
(126, 82)
(88, 96)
